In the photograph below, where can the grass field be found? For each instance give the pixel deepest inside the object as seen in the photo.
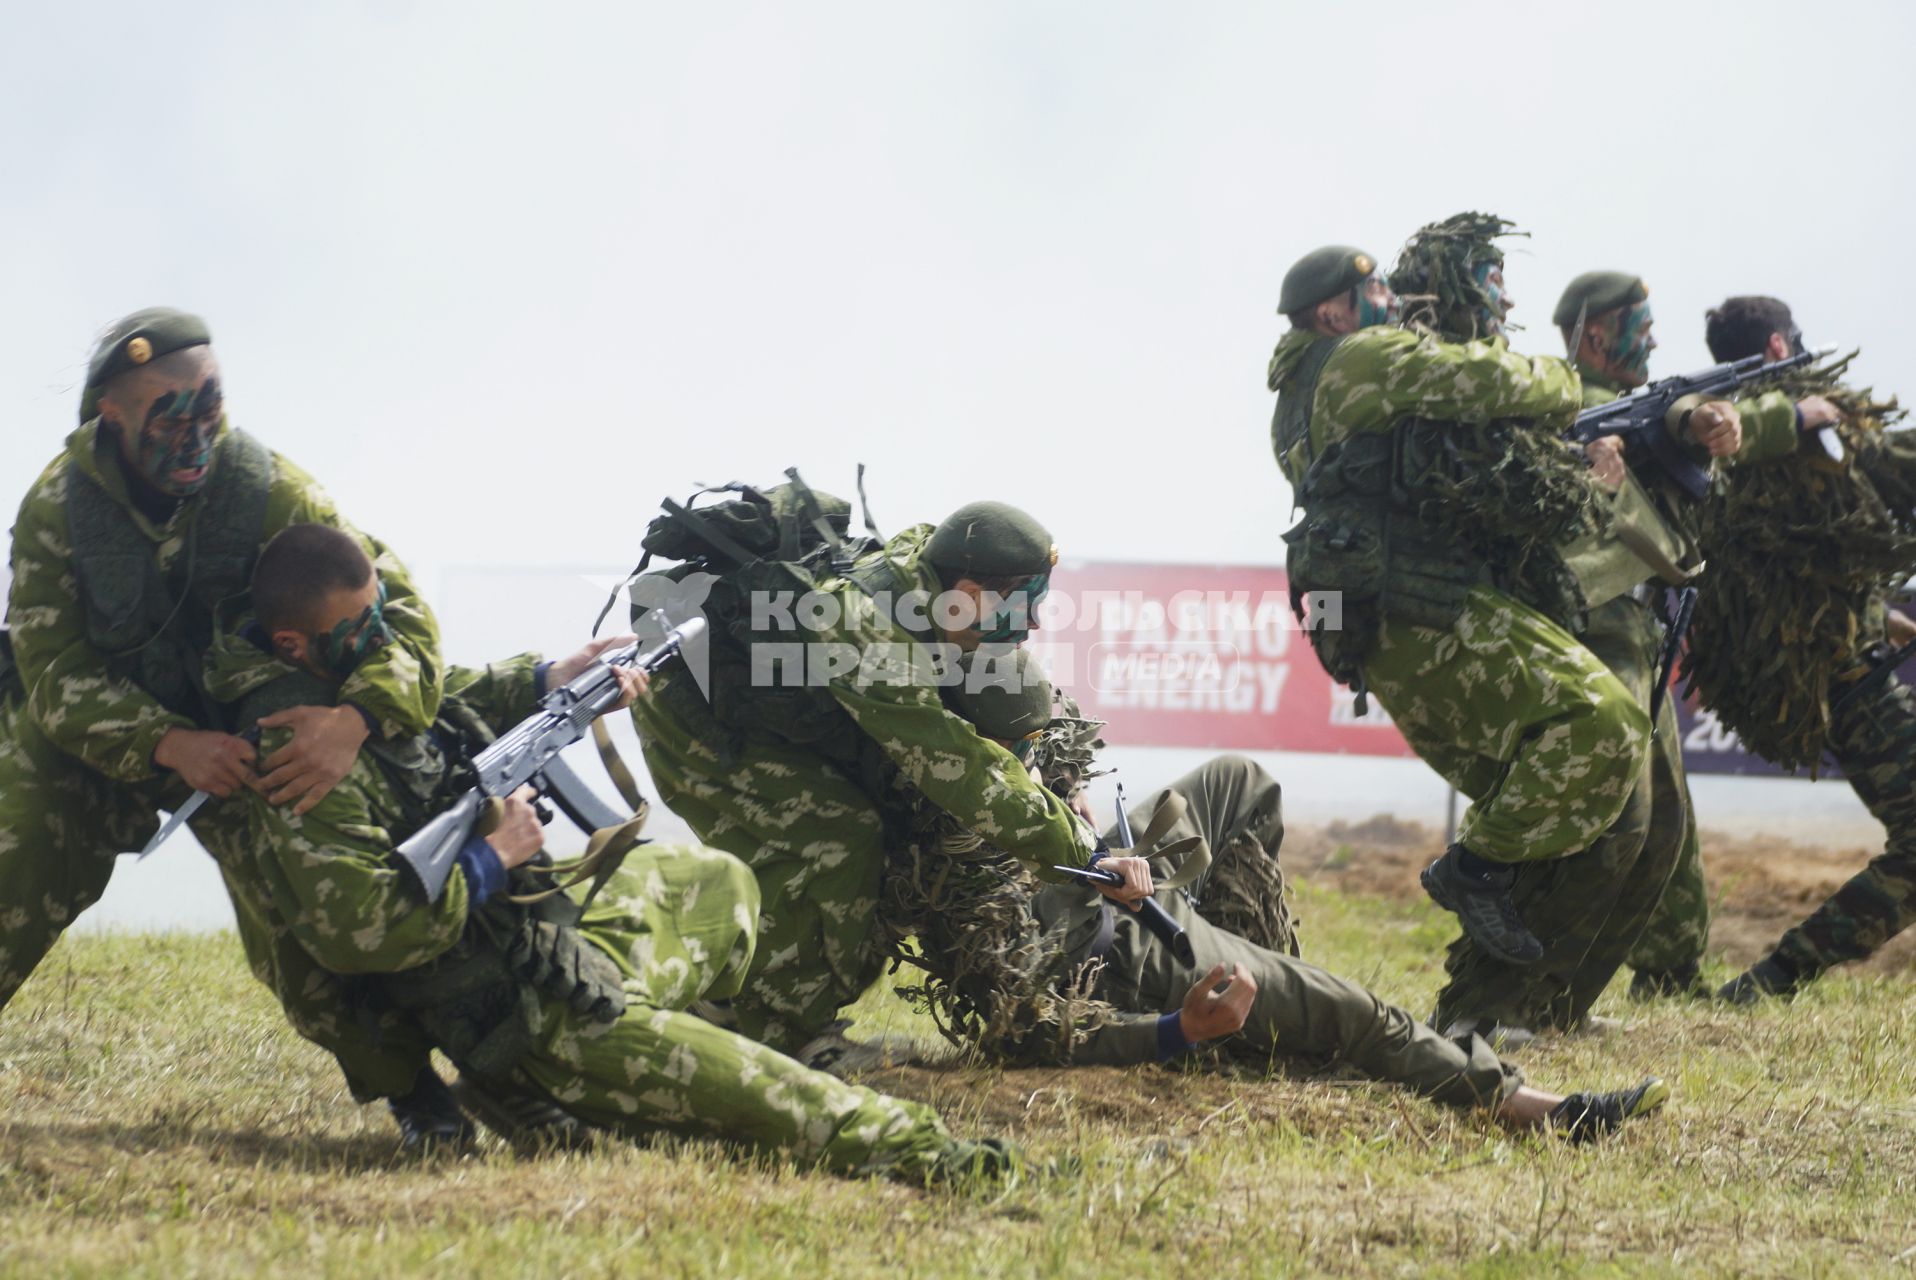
(156, 1119)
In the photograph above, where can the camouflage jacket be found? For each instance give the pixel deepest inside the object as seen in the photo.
(113, 725)
(888, 697)
(330, 873)
(1378, 376)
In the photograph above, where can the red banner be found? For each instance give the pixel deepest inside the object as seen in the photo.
(1198, 656)
(1178, 655)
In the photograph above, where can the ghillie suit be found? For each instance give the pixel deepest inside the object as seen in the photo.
(1790, 651)
(1510, 491)
(996, 979)
(1803, 553)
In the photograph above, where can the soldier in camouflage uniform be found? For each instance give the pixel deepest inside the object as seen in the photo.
(802, 779)
(586, 1007)
(1607, 325)
(1438, 499)
(1054, 975)
(147, 522)
(1805, 549)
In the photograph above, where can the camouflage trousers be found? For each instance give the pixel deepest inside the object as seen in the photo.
(1588, 908)
(682, 921)
(1521, 718)
(62, 826)
(816, 842)
(1874, 740)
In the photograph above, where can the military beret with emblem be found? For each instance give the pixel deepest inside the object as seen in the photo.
(1323, 273)
(1595, 292)
(141, 337)
(1003, 691)
(990, 540)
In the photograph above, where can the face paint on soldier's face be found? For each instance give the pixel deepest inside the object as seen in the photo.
(1376, 304)
(1631, 344)
(1489, 274)
(352, 640)
(1011, 623)
(174, 447)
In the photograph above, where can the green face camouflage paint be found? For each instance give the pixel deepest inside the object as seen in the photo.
(175, 444)
(1376, 304)
(1011, 622)
(1630, 348)
(353, 640)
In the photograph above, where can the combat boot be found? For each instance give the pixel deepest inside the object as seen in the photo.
(836, 1053)
(429, 1116)
(528, 1121)
(1583, 1117)
(1683, 982)
(1767, 977)
(1481, 901)
(986, 1160)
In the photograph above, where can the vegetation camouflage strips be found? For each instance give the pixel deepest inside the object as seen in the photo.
(1512, 491)
(1802, 553)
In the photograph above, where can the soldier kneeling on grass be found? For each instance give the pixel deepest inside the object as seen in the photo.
(579, 1011)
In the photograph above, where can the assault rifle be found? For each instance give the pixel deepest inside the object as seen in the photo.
(1153, 917)
(528, 754)
(1640, 417)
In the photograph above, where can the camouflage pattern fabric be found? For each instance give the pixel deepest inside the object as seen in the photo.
(77, 781)
(1379, 376)
(1802, 551)
(1108, 1014)
(678, 922)
(1505, 703)
(1589, 907)
(1874, 739)
(1516, 714)
(112, 725)
(1678, 930)
(813, 830)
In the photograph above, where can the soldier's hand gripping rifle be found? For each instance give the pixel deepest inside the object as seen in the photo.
(1150, 914)
(528, 754)
(1641, 418)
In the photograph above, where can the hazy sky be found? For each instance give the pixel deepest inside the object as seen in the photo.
(502, 275)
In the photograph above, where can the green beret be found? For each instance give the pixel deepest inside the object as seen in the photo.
(1004, 692)
(143, 336)
(1323, 273)
(990, 540)
(1595, 292)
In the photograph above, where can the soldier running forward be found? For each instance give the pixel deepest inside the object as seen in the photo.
(579, 1007)
(795, 771)
(127, 546)
(1054, 975)
(1792, 646)
(1438, 497)
(1609, 331)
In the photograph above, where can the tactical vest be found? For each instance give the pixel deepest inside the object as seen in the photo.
(478, 1001)
(1361, 535)
(1291, 423)
(155, 628)
(782, 542)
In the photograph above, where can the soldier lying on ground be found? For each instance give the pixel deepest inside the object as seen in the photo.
(582, 1008)
(123, 550)
(1054, 975)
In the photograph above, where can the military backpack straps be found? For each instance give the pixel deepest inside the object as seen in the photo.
(1362, 544)
(155, 628)
(756, 555)
(1291, 424)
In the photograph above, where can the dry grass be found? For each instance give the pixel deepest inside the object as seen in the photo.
(155, 1119)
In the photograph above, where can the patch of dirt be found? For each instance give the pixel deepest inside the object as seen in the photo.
(1760, 885)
